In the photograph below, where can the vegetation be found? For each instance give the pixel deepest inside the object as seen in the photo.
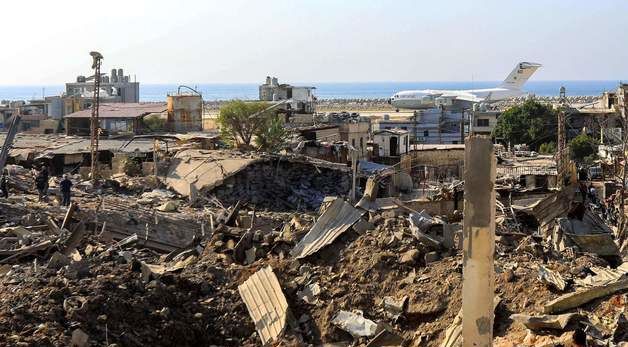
(532, 123)
(240, 121)
(547, 148)
(583, 148)
(154, 123)
(272, 136)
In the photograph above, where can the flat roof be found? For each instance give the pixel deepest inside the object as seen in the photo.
(391, 131)
(121, 110)
(430, 147)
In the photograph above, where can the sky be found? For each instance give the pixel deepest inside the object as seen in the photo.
(232, 41)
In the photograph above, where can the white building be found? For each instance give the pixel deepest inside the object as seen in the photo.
(392, 142)
(303, 99)
(430, 126)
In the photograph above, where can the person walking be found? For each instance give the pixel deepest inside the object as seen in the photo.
(66, 188)
(41, 182)
(4, 184)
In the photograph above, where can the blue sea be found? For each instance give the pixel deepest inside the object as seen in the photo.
(326, 90)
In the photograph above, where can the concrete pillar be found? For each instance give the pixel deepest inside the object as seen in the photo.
(479, 242)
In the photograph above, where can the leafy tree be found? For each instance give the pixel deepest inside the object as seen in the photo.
(271, 137)
(240, 121)
(547, 148)
(532, 123)
(583, 147)
(154, 123)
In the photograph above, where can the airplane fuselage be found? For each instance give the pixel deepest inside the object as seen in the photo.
(427, 98)
(509, 88)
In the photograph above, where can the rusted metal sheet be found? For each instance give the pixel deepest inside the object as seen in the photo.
(266, 304)
(336, 219)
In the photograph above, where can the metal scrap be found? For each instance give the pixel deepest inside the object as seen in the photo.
(334, 221)
(266, 304)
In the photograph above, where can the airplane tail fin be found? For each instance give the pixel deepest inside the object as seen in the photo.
(520, 75)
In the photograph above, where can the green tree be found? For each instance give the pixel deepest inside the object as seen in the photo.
(272, 136)
(240, 121)
(547, 148)
(583, 147)
(154, 123)
(532, 123)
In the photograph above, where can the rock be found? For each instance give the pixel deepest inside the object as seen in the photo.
(410, 257)
(431, 257)
(57, 261)
(508, 275)
(79, 338)
(169, 206)
(361, 226)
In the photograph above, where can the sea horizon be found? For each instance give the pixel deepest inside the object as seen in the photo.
(150, 92)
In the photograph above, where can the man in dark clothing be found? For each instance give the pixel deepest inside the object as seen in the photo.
(41, 182)
(66, 187)
(4, 184)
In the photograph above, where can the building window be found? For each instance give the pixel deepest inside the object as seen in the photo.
(361, 143)
(426, 133)
(353, 143)
(482, 122)
(404, 128)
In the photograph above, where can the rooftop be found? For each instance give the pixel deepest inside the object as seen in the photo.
(391, 131)
(122, 110)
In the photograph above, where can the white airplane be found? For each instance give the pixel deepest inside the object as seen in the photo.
(510, 88)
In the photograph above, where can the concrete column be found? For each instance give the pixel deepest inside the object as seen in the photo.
(479, 242)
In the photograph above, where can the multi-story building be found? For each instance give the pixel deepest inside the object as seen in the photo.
(303, 99)
(431, 126)
(114, 88)
(483, 122)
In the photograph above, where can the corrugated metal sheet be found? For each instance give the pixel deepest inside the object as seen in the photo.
(336, 219)
(266, 303)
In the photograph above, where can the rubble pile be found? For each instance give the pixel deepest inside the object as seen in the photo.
(283, 186)
(276, 255)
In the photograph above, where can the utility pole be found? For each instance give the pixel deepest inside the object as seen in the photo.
(623, 95)
(95, 122)
(562, 141)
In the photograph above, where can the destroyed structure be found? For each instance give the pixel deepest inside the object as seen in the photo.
(343, 239)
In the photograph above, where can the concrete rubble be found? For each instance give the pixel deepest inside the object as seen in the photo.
(227, 248)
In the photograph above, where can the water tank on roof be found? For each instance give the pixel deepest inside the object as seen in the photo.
(80, 79)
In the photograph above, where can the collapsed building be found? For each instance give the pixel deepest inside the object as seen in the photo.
(221, 247)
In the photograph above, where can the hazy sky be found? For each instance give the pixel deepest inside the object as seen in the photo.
(185, 41)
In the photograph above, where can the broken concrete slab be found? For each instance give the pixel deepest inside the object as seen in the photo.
(551, 278)
(603, 276)
(354, 323)
(558, 322)
(266, 304)
(581, 297)
(309, 293)
(331, 224)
